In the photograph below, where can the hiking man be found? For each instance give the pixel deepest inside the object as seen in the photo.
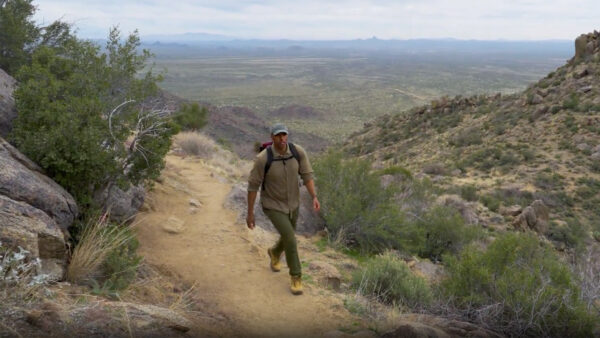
(275, 173)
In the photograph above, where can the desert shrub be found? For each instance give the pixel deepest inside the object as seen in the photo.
(441, 230)
(388, 278)
(548, 181)
(468, 192)
(358, 211)
(492, 157)
(518, 286)
(196, 144)
(120, 266)
(467, 137)
(572, 102)
(435, 168)
(396, 170)
(554, 109)
(191, 117)
(595, 166)
(491, 202)
(572, 235)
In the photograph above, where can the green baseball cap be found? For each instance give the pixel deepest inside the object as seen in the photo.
(279, 128)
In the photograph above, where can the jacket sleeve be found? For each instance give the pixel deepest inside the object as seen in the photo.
(305, 169)
(257, 173)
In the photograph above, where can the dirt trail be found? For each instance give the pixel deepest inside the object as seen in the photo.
(227, 262)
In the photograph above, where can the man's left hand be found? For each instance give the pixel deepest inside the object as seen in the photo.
(316, 204)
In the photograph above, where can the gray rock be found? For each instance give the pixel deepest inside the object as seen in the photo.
(22, 225)
(537, 99)
(466, 209)
(595, 156)
(596, 149)
(123, 205)
(583, 146)
(585, 89)
(309, 222)
(22, 180)
(428, 326)
(512, 210)
(534, 217)
(8, 112)
(237, 200)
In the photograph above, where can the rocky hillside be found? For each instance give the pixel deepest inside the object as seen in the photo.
(507, 150)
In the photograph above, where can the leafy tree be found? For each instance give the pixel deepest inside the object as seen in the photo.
(85, 117)
(18, 33)
(20, 37)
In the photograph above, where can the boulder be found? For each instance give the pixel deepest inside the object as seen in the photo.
(428, 326)
(534, 217)
(536, 99)
(22, 225)
(466, 209)
(8, 112)
(22, 180)
(309, 222)
(512, 210)
(123, 204)
(581, 43)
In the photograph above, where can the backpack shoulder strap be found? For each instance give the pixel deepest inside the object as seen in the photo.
(267, 165)
(294, 151)
(295, 155)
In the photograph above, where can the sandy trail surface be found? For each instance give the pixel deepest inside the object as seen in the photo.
(227, 262)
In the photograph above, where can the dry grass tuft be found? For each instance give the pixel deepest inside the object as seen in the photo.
(196, 144)
(97, 241)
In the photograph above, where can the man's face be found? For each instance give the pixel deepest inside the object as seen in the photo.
(279, 141)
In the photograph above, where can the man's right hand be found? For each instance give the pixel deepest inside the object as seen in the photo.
(250, 221)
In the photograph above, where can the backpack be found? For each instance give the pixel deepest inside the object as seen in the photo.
(270, 159)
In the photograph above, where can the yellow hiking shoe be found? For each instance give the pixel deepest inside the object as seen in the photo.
(275, 264)
(296, 287)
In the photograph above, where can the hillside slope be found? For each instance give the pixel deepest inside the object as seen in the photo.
(543, 143)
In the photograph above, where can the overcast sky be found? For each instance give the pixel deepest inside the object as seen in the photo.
(328, 19)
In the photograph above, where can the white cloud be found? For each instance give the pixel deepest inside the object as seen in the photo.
(342, 19)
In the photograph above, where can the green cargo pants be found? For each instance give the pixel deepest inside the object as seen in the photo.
(286, 226)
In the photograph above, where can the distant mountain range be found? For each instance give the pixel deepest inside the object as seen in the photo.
(206, 40)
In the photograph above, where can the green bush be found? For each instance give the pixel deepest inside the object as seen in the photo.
(191, 117)
(467, 137)
(358, 211)
(468, 192)
(491, 202)
(572, 235)
(388, 278)
(120, 267)
(396, 170)
(81, 116)
(572, 102)
(441, 230)
(518, 286)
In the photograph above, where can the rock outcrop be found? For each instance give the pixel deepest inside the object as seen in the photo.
(123, 205)
(534, 217)
(586, 45)
(426, 326)
(8, 111)
(309, 223)
(35, 211)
